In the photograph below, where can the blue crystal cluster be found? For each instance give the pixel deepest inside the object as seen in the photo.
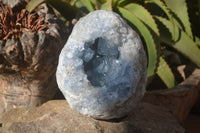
(102, 67)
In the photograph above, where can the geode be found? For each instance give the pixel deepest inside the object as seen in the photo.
(102, 67)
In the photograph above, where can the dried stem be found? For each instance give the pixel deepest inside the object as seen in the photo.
(12, 25)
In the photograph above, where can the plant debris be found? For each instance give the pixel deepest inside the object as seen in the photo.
(12, 25)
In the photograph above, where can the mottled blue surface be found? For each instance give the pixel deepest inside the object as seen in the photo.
(102, 67)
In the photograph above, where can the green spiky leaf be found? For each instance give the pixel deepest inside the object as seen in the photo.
(164, 8)
(197, 40)
(102, 1)
(151, 47)
(179, 7)
(121, 3)
(161, 5)
(34, 4)
(73, 2)
(88, 4)
(184, 44)
(141, 13)
(165, 73)
(107, 5)
(62, 6)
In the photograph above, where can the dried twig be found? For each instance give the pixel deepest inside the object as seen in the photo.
(12, 25)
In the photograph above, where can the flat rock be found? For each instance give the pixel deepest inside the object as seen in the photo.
(57, 117)
(180, 99)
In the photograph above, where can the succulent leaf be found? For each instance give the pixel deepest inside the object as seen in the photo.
(102, 1)
(62, 6)
(165, 73)
(88, 4)
(34, 4)
(73, 2)
(121, 3)
(107, 5)
(142, 13)
(68, 11)
(162, 6)
(184, 44)
(181, 13)
(197, 40)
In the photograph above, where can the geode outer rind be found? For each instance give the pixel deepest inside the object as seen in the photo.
(102, 67)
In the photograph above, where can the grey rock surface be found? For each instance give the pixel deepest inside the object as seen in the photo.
(57, 117)
(180, 99)
(14, 3)
(102, 67)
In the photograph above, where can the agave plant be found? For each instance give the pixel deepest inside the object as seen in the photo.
(161, 24)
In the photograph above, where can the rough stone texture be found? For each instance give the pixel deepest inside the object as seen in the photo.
(15, 3)
(28, 64)
(180, 99)
(58, 117)
(102, 67)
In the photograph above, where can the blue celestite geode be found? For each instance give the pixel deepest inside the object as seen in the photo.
(102, 67)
